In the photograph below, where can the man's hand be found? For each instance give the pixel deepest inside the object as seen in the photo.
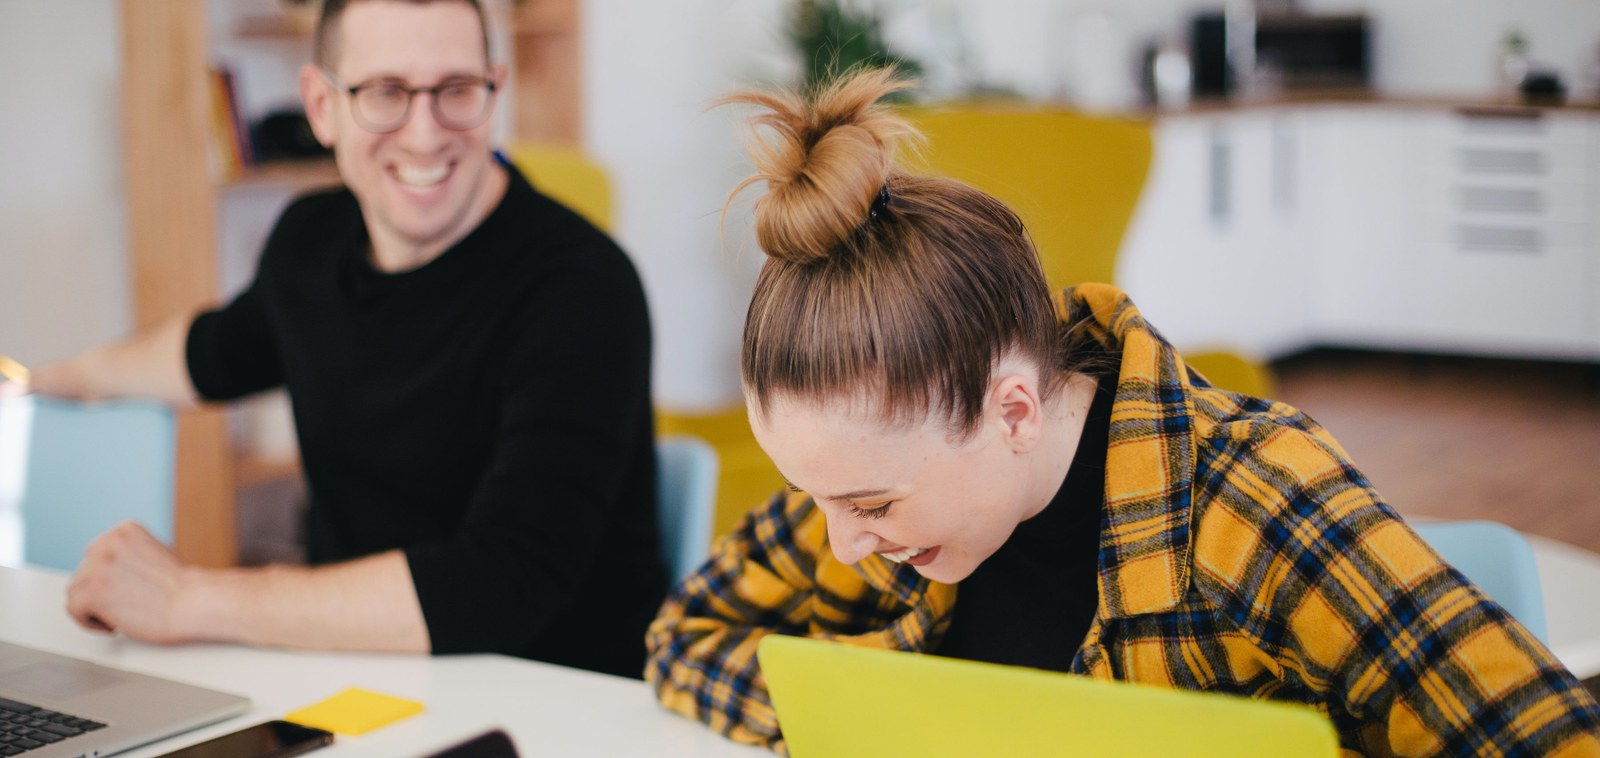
(130, 583)
(10, 388)
(14, 378)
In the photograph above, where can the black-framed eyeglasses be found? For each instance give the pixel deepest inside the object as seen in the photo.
(383, 106)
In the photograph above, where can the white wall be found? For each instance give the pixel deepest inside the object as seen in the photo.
(651, 71)
(63, 274)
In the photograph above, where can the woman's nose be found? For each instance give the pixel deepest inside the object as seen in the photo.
(850, 542)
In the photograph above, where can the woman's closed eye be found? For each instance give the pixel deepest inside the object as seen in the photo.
(876, 510)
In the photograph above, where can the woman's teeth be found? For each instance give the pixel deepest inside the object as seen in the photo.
(904, 554)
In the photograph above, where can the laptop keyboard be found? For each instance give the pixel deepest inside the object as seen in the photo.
(24, 727)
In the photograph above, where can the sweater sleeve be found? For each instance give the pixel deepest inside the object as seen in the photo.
(230, 351)
(702, 646)
(569, 420)
(1409, 657)
(776, 575)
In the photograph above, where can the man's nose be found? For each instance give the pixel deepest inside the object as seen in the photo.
(422, 130)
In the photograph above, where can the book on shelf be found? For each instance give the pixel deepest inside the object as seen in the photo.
(231, 150)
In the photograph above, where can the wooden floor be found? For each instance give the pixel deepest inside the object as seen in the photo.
(1458, 438)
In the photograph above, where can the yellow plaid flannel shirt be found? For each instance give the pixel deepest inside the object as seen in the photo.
(1240, 552)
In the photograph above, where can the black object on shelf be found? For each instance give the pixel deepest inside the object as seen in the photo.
(1316, 51)
(286, 134)
(1543, 88)
(1208, 46)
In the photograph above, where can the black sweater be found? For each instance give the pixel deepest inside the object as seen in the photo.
(488, 413)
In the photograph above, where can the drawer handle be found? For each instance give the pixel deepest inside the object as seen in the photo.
(1499, 239)
(1502, 121)
(1501, 200)
(1483, 160)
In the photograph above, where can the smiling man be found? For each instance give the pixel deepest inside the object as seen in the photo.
(469, 367)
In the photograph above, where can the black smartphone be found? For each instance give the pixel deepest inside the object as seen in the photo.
(494, 744)
(270, 739)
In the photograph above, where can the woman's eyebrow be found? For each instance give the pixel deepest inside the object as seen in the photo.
(851, 495)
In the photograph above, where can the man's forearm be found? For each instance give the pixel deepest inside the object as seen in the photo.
(150, 365)
(365, 604)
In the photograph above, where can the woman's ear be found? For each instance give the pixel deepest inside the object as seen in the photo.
(1015, 406)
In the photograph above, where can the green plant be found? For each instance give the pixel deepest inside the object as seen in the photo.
(834, 36)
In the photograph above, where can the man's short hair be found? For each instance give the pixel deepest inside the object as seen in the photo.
(327, 36)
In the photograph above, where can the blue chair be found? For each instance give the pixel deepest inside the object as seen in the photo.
(1499, 560)
(73, 471)
(687, 499)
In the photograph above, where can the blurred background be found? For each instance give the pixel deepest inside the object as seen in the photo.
(1386, 212)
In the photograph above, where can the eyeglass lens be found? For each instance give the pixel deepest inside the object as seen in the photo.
(456, 105)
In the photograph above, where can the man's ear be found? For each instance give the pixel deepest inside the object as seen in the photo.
(317, 95)
(1015, 403)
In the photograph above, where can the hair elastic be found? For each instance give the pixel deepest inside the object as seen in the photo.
(879, 203)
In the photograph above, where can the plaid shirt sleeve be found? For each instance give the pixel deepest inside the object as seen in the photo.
(776, 575)
(1353, 609)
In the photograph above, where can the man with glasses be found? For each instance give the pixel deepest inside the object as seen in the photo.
(469, 367)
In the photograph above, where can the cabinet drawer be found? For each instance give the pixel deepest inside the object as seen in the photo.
(1504, 200)
(1501, 301)
(1501, 234)
(1501, 162)
(1512, 126)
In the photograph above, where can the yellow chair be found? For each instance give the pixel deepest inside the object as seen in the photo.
(1075, 181)
(566, 174)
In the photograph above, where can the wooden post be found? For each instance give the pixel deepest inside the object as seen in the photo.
(172, 237)
(548, 55)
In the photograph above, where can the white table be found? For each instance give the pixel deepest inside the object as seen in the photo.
(1570, 579)
(548, 710)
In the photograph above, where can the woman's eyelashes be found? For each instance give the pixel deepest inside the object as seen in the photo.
(871, 511)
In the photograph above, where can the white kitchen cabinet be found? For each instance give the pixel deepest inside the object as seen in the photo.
(1362, 273)
(1411, 227)
(1591, 273)
(1212, 257)
(1505, 237)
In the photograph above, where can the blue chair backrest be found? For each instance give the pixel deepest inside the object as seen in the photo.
(687, 487)
(73, 471)
(1499, 560)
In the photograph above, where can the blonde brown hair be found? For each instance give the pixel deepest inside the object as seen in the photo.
(911, 287)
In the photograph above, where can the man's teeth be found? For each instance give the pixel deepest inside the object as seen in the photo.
(421, 177)
(904, 554)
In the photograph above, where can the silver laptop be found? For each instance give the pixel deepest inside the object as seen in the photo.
(52, 706)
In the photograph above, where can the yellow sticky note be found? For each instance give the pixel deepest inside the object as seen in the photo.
(355, 711)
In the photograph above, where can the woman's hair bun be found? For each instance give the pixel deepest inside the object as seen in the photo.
(825, 158)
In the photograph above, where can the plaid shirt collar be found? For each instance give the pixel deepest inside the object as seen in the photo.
(1146, 534)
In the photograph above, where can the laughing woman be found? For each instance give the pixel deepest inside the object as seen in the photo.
(983, 471)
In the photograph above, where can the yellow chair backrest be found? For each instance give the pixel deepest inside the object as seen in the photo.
(566, 174)
(1074, 179)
